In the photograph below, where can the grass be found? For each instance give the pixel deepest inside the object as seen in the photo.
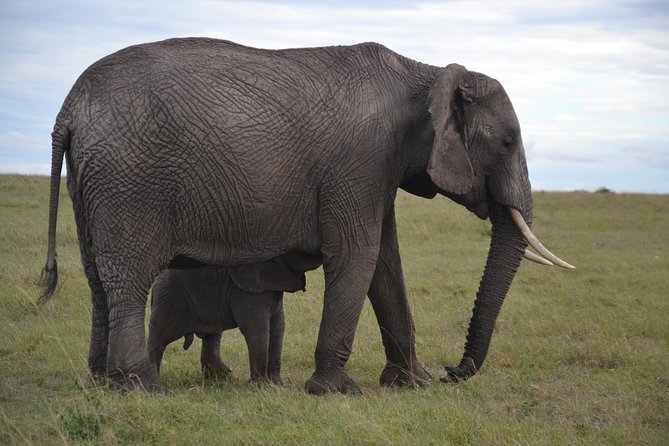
(578, 357)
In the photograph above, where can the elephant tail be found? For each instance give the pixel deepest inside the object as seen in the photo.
(60, 142)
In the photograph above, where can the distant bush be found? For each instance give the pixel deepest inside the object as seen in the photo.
(604, 190)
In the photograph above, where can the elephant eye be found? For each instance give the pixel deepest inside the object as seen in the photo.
(507, 141)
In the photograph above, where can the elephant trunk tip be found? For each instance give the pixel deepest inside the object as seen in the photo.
(465, 370)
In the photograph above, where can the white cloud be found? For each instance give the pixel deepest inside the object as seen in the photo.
(24, 168)
(21, 142)
(586, 77)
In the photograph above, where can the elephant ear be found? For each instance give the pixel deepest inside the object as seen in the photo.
(449, 167)
(271, 275)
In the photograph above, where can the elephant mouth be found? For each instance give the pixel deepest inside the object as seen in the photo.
(543, 255)
(481, 210)
(478, 201)
(484, 203)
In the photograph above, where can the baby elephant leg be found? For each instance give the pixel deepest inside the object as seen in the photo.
(277, 330)
(253, 312)
(210, 356)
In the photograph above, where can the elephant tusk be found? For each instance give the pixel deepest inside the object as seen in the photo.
(529, 255)
(534, 241)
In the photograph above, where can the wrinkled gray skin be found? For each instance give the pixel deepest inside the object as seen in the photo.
(209, 300)
(207, 151)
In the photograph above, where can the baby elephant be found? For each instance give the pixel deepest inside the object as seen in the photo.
(208, 300)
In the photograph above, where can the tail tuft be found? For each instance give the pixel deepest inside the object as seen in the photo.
(48, 280)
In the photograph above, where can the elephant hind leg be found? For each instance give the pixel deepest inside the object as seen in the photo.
(128, 364)
(388, 296)
(156, 351)
(97, 353)
(210, 357)
(126, 280)
(127, 238)
(160, 336)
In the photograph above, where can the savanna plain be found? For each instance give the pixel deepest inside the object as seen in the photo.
(578, 357)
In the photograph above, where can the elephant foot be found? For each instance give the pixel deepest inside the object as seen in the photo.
(275, 378)
(215, 369)
(271, 379)
(409, 376)
(462, 372)
(210, 356)
(322, 383)
(146, 380)
(96, 378)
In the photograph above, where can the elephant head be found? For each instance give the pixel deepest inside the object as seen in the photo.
(477, 159)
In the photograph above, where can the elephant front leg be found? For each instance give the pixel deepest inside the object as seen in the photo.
(256, 333)
(388, 296)
(277, 329)
(253, 312)
(351, 220)
(347, 279)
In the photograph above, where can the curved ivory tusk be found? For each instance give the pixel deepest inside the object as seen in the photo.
(529, 255)
(534, 241)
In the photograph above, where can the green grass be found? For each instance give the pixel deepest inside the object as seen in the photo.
(578, 357)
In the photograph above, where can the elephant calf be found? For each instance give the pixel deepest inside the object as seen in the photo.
(208, 300)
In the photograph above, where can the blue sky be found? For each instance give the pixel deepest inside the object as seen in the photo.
(589, 79)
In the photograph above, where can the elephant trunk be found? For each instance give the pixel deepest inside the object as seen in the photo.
(506, 251)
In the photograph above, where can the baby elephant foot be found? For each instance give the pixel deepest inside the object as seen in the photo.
(462, 372)
(262, 380)
(215, 369)
(321, 383)
(408, 376)
(275, 378)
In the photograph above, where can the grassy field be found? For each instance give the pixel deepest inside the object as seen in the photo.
(578, 357)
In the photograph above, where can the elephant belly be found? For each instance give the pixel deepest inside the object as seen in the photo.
(230, 238)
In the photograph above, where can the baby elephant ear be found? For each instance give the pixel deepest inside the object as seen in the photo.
(449, 167)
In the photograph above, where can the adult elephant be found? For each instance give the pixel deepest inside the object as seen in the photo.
(204, 151)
